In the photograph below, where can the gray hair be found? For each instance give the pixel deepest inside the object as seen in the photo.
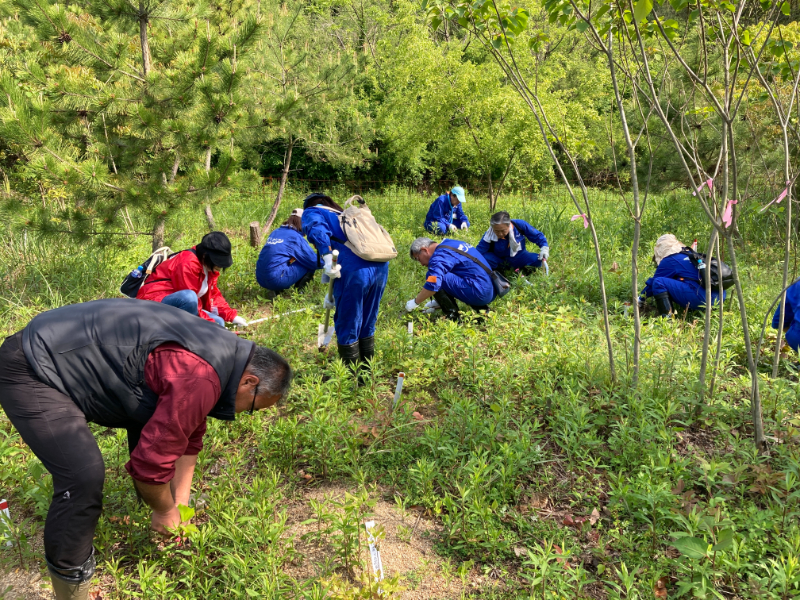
(500, 218)
(273, 371)
(418, 244)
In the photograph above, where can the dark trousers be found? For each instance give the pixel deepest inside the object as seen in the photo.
(449, 304)
(56, 431)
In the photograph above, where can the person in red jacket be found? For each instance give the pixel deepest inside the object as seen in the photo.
(188, 281)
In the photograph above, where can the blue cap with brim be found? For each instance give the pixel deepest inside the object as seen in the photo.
(459, 193)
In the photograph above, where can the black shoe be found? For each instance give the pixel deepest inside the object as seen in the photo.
(349, 354)
(304, 281)
(367, 349)
(663, 304)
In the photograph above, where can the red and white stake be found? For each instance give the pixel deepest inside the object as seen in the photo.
(5, 518)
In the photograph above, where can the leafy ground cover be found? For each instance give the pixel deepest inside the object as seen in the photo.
(534, 474)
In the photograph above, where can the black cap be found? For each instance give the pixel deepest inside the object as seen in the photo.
(217, 247)
(309, 200)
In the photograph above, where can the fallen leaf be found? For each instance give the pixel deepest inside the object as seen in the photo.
(593, 536)
(614, 267)
(417, 416)
(660, 589)
(520, 551)
(594, 517)
(568, 522)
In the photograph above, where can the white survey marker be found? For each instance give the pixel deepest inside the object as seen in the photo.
(291, 312)
(399, 389)
(5, 518)
(374, 553)
(411, 330)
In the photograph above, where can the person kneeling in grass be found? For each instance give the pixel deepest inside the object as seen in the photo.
(188, 281)
(676, 279)
(503, 244)
(791, 317)
(446, 214)
(141, 366)
(454, 273)
(287, 260)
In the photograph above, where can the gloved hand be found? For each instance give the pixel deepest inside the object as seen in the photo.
(328, 268)
(430, 307)
(411, 305)
(544, 253)
(237, 320)
(641, 303)
(328, 302)
(464, 226)
(452, 227)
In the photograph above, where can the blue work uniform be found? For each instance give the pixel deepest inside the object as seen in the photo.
(359, 290)
(498, 254)
(442, 213)
(285, 259)
(791, 316)
(678, 276)
(459, 276)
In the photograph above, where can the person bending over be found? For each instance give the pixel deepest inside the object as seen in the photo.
(503, 244)
(447, 213)
(358, 286)
(676, 279)
(141, 366)
(188, 281)
(791, 316)
(453, 274)
(286, 260)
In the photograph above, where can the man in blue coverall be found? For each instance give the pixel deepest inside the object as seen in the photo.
(503, 244)
(676, 279)
(359, 283)
(446, 213)
(791, 317)
(451, 276)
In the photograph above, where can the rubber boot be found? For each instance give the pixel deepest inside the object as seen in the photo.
(349, 354)
(663, 304)
(73, 584)
(304, 281)
(367, 349)
(448, 305)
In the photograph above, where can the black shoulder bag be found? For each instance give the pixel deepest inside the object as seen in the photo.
(501, 285)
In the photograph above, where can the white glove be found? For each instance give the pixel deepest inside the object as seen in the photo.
(237, 320)
(328, 302)
(329, 270)
(430, 307)
(452, 227)
(464, 225)
(411, 305)
(544, 253)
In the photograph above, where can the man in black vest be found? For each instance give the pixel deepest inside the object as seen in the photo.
(152, 369)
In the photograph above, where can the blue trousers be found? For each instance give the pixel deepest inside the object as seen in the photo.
(358, 295)
(187, 300)
(518, 261)
(683, 293)
(281, 277)
(467, 291)
(792, 335)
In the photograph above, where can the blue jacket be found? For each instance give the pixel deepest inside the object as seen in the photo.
(321, 227)
(445, 264)
(523, 230)
(675, 266)
(792, 306)
(444, 213)
(283, 245)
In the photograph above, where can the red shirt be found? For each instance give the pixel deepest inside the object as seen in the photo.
(188, 388)
(184, 272)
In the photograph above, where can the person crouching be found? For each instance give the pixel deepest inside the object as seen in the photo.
(287, 260)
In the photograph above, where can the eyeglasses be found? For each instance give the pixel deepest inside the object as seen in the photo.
(255, 393)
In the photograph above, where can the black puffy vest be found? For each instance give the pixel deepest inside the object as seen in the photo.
(95, 353)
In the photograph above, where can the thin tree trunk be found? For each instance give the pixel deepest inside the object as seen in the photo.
(776, 360)
(158, 233)
(287, 162)
(707, 332)
(209, 215)
(143, 22)
(492, 199)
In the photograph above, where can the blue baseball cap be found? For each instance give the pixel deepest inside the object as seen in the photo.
(458, 192)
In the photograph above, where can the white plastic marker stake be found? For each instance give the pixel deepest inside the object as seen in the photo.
(291, 312)
(546, 268)
(398, 390)
(6, 519)
(694, 245)
(410, 330)
(374, 554)
(325, 332)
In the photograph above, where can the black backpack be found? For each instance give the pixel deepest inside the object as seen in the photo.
(135, 279)
(720, 273)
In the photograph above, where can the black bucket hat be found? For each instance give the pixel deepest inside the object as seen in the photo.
(217, 247)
